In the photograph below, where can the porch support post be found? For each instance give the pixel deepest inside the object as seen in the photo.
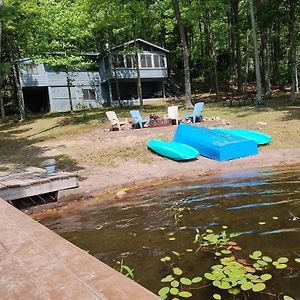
(110, 92)
(163, 89)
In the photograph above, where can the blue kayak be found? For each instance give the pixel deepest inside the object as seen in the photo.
(259, 137)
(172, 150)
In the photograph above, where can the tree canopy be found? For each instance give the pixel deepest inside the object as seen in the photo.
(218, 34)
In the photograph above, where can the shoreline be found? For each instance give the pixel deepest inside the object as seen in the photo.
(105, 182)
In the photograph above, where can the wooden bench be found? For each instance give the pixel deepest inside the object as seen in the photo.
(240, 98)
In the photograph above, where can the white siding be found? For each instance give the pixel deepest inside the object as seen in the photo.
(40, 79)
(59, 98)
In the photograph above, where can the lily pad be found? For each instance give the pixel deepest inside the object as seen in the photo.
(209, 276)
(225, 251)
(177, 271)
(297, 260)
(185, 294)
(257, 253)
(168, 278)
(285, 297)
(281, 266)
(175, 283)
(174, 291)
(283, 260)
(232, 243)
(262, 263)
(225, 285)
(196, 279)
(267, 259)
(185, 281)
(234, 291)
(166, 258)
(163, 291)
(246, 286)
(217, 296)
(258, 287)
(266, 277)
(250, 269)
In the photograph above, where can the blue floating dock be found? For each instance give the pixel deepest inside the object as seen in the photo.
(172, 150)
(259, 137)
(214, 144)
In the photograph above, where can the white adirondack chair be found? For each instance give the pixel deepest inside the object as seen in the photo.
(115, 122)
(173, 113)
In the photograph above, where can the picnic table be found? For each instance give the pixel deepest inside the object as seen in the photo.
(239, 98)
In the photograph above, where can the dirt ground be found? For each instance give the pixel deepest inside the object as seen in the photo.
(94, 178)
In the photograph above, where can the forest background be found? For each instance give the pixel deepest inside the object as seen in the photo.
(220, 44)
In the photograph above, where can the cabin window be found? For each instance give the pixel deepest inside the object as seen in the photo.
(89, 94)
(162, 61)
(119, 61)
(146, 61)
(156, 60)
(106, 63)
(159, 61)
(32, 69)
(129, 63)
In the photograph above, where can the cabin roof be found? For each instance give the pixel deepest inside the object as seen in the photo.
(141, 41)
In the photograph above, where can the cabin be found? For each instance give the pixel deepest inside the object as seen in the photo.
(119, 67)
(113, 78)
(46, 89)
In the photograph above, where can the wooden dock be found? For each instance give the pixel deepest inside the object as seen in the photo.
(34, 181)
(37, 264)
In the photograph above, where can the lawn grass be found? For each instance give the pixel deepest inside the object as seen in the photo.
(29, 143)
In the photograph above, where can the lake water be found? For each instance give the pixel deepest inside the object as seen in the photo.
(263, 206)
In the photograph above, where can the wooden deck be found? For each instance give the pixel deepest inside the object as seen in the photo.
(34, 181)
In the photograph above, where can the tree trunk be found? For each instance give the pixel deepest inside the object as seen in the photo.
(201, 40)
(293, 53)
(185, 54)
(236, 42)
(257, 65)
(266, 63)
(247, 62)
(208, 77)
(2, 111)
(69, 82)
(19, 92)
(276, 55)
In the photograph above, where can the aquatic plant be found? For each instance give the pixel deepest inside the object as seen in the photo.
(231, 275)
(177, 285)
(125, 270)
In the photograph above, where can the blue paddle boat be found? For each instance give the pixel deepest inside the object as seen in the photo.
(259, 137)
(213, 144)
